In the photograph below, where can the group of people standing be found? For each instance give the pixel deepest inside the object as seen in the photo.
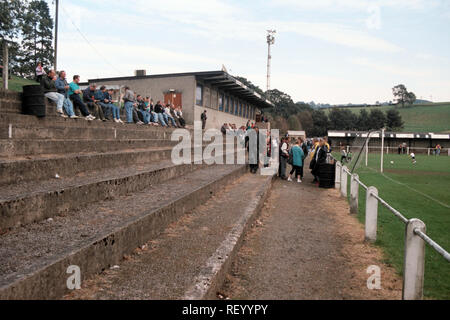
(295, 153)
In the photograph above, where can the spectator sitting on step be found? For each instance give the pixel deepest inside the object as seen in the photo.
(159, 110)
(179, 112)
(108, 98)
(74, 95)
(142, 109)
(174, 115)
(99, 98)
(149, 108)
(63, 87)
(168, 116)
(89, 99)
(50, 92)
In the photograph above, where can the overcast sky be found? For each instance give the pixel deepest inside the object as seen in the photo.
(334, 51)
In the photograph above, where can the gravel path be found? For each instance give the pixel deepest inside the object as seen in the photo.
(306, 246)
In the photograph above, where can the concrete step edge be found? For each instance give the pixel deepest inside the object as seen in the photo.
(212, 275)
(49, 282)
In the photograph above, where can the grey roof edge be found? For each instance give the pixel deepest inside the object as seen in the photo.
(264, 102)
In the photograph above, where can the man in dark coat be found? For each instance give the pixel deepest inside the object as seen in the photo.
(203, 118)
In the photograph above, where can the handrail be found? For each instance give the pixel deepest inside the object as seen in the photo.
(393, 210)
(433, 244)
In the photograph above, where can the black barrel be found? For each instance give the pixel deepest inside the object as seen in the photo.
(33, 100)
(327, 174)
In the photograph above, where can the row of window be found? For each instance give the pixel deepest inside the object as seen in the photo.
(227, 104)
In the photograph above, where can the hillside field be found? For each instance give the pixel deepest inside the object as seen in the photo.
(419, 118)
(16, 83)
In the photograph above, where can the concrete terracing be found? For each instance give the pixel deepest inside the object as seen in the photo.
(88, 193)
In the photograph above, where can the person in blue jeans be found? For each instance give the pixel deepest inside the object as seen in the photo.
(62, 86)
(297, 155)
(151, 109)
(116, 109)
(105, 100)
(142, 109)
(159, 110)
(99, 97)
(168, 116)
(129, 100)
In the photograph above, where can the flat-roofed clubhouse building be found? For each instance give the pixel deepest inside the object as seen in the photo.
(226, 99)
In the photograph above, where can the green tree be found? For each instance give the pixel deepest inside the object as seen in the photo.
(363, 121)
(306, 121)
(402, 95)
(37, 38)
(377, 119)
(411, 98)
(10, 20)
(293, 123)
(394, 120)
(320, 123)
(342, 119)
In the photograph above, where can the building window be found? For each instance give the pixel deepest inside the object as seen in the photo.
(199, 95)
(236, 108)
(220, 102)
(227, 100)
(241, 105)
(246, 111)
(231, 105)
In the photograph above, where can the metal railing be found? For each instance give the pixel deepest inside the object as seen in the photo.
(394, 150)
(415, 238)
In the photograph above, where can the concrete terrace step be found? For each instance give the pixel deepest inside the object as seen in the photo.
(11, 148)
(43, 167)
(34, 259)
(190, 259)
(25, 203)
(30, 127)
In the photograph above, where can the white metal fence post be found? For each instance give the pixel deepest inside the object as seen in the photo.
(354, 194)
(371, 214)
(414, 264)
(337, 182)
(344, 181)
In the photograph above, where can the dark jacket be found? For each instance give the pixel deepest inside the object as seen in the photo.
(204, 117)
(88, 94)
(141, 105)
(48, 84)
(321, 158)
(99, 95)
(159, 108)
